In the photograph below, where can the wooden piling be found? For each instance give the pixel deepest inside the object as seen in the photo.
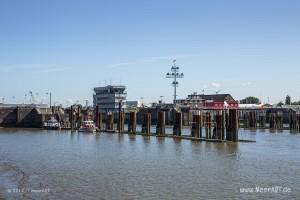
(218, 127)
(99, 121)
(72, 119)
(146, 127)
(223, 125)
(196, 130)
(272, 121)
(161, 124)
(177, 124)
(109, 122)
(232, 129)
(78, 117)
(132, 123)
(121, 120)
(208, 124)
(262, 120)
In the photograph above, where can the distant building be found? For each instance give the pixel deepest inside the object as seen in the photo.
(132, 104)
(23, 105)
(215, 101)
(107, 98)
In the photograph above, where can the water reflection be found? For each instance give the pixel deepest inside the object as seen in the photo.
(121, 166)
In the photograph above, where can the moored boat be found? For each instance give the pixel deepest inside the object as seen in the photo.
(88, 127)
(52, 124)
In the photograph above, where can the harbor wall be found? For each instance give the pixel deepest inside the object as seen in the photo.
(26, 117)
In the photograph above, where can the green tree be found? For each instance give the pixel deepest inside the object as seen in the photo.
(280, 104)
(250, 100)
(288, 100)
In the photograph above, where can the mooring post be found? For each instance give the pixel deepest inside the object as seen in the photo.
(146, 128)
(132, 123)
(121, 122)
(235, 126)
(206, 125)
(262, 120)
(253, 120)
(246, 119)
(297, 120)
(78, 120)
(218, 128)
(196, 130)
(72, 118)
(272, 121)
(280, 120)
(229, 127)
(177, 124)
(161, 124)
(209, 125)
(109, 122)
(96, 116)
(99, 121)
(223, 125)
(293, 121)
(232, 129)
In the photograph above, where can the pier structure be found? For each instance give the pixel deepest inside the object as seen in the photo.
(192, 123)
(146, 127)
(132, 123)
(161, 124)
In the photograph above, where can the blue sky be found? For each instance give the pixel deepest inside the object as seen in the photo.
(70, 46)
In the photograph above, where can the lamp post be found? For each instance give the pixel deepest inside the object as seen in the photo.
(50, 98)
(174, 74)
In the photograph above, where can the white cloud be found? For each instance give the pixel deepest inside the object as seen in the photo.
(216, 85)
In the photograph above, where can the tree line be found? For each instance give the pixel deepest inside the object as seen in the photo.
(255, 100)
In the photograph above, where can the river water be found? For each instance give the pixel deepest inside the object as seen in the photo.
(65, 165)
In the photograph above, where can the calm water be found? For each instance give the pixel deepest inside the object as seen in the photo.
(112, 166)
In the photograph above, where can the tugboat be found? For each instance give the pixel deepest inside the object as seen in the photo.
(88, 127)
(52, 124)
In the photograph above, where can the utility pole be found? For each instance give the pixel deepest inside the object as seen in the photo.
(174, 74)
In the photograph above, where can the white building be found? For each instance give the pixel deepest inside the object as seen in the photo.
(108, 98)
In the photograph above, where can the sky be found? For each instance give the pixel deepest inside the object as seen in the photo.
(68, 47)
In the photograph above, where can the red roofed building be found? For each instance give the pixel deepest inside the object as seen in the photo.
(215, 101)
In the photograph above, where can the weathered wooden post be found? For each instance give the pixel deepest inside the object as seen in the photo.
(132, 123)
(146, 128)
(262, 120)
(297, 122)
(279, 120)
(246, 120)
(18, 110)
(293, 121)
(209, 125)
(161, 124)
(121, 122)
(78, 117)
(197, 126)
(253, 122)
(232, 129)
(272, 121)
(96, 114)
(206, 125)
(99, 121)
(223, 124)
(177, 124)
(109, 122)
(218, 127)
(71, 118)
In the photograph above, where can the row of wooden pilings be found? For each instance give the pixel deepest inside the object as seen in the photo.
(218, 125)
(255, 119)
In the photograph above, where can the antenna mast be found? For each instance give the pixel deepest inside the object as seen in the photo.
(174, 74)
